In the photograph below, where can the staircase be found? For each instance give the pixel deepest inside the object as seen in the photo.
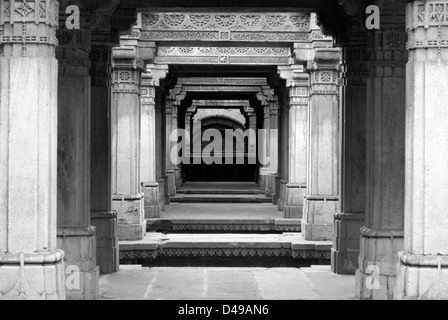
(220, 192)
(223, 224)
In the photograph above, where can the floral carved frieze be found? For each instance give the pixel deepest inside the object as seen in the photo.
(224, 55)
(226, 26)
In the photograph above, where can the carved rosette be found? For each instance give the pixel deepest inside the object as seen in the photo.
(324, 70)
(27, 25)
(387, 46)
(73, 51)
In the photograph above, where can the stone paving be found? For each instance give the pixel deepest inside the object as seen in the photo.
(139, 283)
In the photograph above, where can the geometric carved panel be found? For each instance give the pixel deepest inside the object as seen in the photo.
(224, 55)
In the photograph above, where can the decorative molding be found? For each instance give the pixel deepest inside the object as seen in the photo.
(430, 18)
(220, 103)
(26, 22)
(223, 81)
(224, 55)
(191, 88)
(143, 254)
(225, 26)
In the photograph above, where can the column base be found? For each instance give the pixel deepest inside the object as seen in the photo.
(81, 272)
(151, 200)
(318, 217)
(171, 183)
(131, 223)
(294, 200)
(107, 251)
(166, 189)
(32, 276)
(345, 251)
(421, 277)
(378, 259)
(276, 188)
(270, 185)
(178, 177)
(161, 183)
(282, 196)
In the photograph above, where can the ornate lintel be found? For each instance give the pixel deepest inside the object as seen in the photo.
(223, 81)
(221, 103)
(226, 26)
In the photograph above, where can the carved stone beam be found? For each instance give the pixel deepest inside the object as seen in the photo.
(155, 73)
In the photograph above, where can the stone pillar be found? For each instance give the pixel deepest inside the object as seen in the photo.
(148, 148)
(75, 234)
(263, 142)
(31, 266)
(160, 150)
(171, 182)
(126, 120)
(382, 236)
(273, 148)
(348, 222)
(188, 119)
(101, 215)
(423, 264)
(297, 134)
(174, 172)
(148, 157)
(321, 200)
(284, 149)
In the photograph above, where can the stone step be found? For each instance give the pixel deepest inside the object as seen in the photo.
(250, 250)
(213, 198)
(220, 191)
(224, 225)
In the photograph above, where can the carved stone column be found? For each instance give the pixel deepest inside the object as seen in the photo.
(160, 150)
(322, 200)
(101, 214)
(170, 187)
(298, 86)
(382, 236)
(273, 147)
(126, 120)
(31, 266)
(263, 141)
(174, 172)
(423, 265)
(188, 119)
(348, 222)
(75, 234)
(150, 81)
(284, 149)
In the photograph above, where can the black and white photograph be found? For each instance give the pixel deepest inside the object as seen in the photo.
(224, 156)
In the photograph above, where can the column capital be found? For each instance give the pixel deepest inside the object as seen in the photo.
(154, 73)
(73, 51)
(426, 29)
(327, 59)
(28, 29)
(387, 46)
(294, 75)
